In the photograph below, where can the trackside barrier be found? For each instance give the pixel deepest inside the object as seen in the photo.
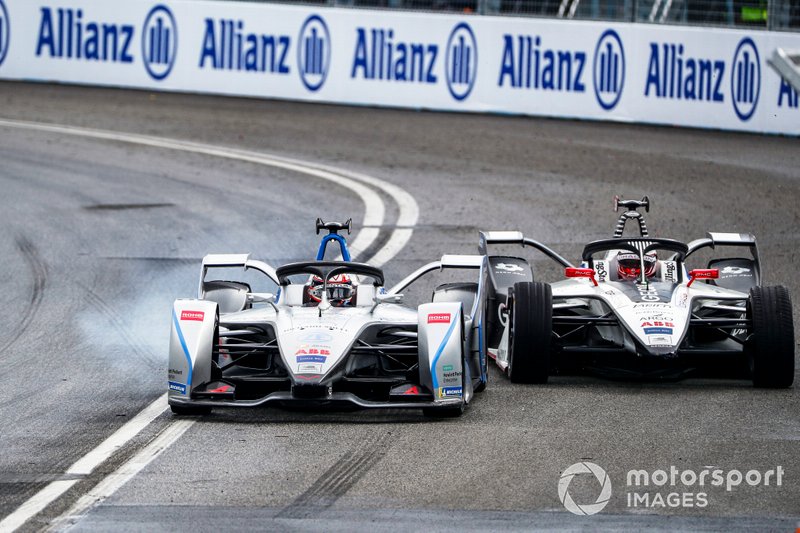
(696, 77)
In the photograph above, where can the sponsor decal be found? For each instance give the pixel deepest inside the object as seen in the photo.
(658, 323)
(313, 350)
(657, 331)
(461, 61)
(175, 372)
(177, 387)
(439, 318)
(5, 32)
(505, 268)
(309, 368)
(380, 55)
(314, 52)
(192, 315)
(647, 294)
(745, 79)
(651, 305)
(588, 508)
(447, 368)
(445, 392)
(159, 42)
(64, 33)
(601, 269)
(318, 336)
(733, 271)
(683, 300)
(413, 390)
(659, 341)
(528, 64)
(609, 70)
(674, 75)
(786, 92)
(657, 317)
(670, 271)
(228, 46)
(451, 377)
(311, 358)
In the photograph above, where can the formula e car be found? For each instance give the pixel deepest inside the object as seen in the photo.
(632, 309)
(332, 335)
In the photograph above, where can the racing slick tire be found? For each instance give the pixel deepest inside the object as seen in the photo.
(530, 336)
(771, 347)
(190, 410)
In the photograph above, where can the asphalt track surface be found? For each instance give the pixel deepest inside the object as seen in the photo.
(100, 236)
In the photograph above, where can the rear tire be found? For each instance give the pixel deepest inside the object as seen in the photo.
(771, 343)
(190, 410)
(531, 334)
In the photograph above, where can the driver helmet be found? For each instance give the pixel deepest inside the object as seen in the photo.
(340, 289)
(629, 266)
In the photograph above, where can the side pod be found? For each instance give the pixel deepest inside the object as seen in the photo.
(441, 349)
(190, 345)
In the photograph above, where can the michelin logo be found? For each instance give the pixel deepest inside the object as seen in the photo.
(314, 53)
(159, 42)
(609, 70)
(5, 32)
(461, 61)
(177, 387)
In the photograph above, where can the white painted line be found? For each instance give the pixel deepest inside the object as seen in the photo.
(374, 207)
(113, 482)
(84, 466)
(373, 216)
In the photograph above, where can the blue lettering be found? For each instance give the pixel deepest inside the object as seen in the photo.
(226, 46)
(378, 57)
(46, 37)
(670, 75)
(790, 94)
(527, 65)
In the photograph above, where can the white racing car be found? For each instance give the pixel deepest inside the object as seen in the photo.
(631, 308)
(331, 335)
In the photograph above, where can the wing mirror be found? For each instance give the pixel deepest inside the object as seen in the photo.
(261, 297)
(702, 273)
(388, 298)
(572, 272)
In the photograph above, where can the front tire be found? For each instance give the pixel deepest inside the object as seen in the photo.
(529, 345)
(771, 344)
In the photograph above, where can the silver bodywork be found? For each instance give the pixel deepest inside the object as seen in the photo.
(322, 353)
(649, 320)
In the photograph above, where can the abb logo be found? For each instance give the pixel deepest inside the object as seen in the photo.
(658, 323)
(440, 318)
(192, 315)
(312, 351)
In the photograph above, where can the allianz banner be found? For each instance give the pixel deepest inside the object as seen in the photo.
(699, 77)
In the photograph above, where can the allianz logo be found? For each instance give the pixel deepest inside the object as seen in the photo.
(72, 34)
(382, 54)
(5, 32)
(527, 63)
(676, 74)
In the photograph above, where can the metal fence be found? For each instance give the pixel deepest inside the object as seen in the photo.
(758, 14)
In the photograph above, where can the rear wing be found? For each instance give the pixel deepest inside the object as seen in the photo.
(714, 239)
(233, 261)
(475, 262)
(485, 238)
